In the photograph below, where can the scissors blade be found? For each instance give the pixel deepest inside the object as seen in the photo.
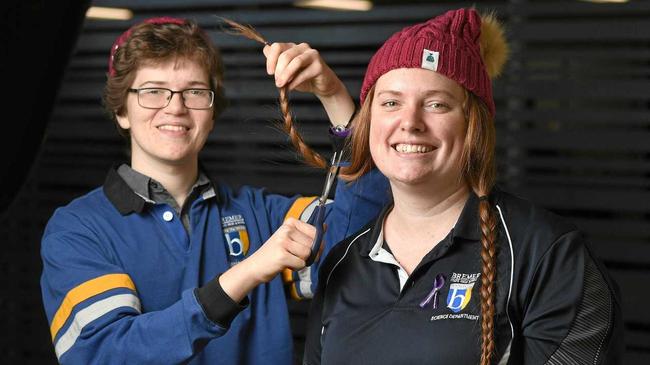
(319, 212)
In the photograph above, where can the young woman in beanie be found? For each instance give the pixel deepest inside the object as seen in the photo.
(163, 265)
(454, 271)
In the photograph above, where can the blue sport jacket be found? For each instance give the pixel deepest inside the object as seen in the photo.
(120, 274)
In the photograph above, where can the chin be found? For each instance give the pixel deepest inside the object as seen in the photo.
(177, 158)
(409, 179)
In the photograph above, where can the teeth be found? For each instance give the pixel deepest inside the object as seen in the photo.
(174, 128)
(412, 148)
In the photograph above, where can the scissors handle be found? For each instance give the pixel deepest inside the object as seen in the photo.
(319, 215)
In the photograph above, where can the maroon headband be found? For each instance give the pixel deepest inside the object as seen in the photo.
(124, 36)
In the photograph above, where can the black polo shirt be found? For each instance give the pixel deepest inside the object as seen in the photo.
(554, 302)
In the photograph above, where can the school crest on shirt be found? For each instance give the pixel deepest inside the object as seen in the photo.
(236, 235)
(460, 290)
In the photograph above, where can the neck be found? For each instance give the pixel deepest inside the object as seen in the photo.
(177, 179)
(429, 213)
(425, 200)
(418, 222)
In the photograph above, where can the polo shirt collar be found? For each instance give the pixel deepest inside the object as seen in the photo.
(132, 199)
(138, 182)
(376, 233)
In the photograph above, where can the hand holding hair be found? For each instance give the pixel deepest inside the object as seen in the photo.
(300, 67)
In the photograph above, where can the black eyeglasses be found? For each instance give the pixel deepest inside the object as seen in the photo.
(159, 97)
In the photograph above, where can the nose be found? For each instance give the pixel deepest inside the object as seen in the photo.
(176, 104)
(411, 120)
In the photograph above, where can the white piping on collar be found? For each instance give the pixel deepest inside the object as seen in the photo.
(144, 197)
(379, 254)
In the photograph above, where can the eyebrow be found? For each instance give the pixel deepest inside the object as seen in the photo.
(154, 83)
(426, 93)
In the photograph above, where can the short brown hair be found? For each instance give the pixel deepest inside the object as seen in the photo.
(158, 43)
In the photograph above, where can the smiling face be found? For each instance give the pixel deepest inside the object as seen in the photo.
(173, 135)
(418, 128)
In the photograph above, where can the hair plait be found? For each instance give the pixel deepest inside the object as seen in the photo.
(310, 156)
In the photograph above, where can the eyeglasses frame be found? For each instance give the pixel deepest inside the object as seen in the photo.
(137, 92)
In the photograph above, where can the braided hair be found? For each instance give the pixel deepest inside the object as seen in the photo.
(310, 156)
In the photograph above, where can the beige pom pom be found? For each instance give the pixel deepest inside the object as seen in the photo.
(494, 48)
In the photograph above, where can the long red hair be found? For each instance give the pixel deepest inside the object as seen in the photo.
(478, 164)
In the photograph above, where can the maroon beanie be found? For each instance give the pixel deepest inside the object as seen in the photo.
(124, 36)
(447, 44)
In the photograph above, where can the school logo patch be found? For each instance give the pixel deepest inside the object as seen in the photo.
(460, 290)
(237, 243)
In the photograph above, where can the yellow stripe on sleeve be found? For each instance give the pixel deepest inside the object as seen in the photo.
(299, 206)
(295, 211)
(294, 293)
(287, 276)
(84, 291)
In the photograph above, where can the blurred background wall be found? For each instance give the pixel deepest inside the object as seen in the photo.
(573, 123)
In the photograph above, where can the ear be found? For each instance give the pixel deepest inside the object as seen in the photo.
(123, 121)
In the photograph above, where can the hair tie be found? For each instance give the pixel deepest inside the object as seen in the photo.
(484, 197)
(343, 130)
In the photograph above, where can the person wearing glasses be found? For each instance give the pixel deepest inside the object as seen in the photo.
(162, 265)
(454, 271)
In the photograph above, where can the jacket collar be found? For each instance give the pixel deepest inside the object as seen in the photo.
(125, 200)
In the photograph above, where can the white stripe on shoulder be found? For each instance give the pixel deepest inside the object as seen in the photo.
(347, 249)
(506, 355)
(512, 271)
(91, 313)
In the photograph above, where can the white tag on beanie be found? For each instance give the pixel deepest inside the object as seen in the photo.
(430, 60)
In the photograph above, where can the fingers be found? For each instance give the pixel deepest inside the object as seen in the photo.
(301, 228)
(300, 70)
(297, 238)
(287, 60)
(272, 54)
(293, 62)
(288, 247)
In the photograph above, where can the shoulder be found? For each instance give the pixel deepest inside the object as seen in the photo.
(349, 249)
(79, 224)
(86, 208)
(245, 193)
(84, 216)
(525, 221)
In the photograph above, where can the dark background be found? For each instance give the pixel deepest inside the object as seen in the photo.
(573, 124)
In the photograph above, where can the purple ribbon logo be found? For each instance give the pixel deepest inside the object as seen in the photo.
(438, 283)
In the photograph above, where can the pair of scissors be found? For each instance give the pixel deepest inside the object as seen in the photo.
(318, 216)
